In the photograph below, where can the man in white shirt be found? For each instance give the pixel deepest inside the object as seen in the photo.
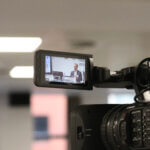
(76, 74)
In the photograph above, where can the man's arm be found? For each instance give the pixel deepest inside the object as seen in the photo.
(71, 75)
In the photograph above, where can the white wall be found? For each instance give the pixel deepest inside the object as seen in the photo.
(66, 65)
(15, 127)
(102, 96)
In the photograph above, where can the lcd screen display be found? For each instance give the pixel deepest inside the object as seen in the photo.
(65, 70)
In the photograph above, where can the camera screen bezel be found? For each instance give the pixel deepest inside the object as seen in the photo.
(39, 70)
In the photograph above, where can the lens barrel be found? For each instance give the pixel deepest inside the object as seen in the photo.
(125, 127)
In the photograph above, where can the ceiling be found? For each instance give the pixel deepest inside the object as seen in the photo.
(119, 31)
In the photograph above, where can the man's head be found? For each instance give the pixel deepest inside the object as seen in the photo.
(75, 67)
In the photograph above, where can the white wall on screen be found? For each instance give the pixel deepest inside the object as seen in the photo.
(66, 65)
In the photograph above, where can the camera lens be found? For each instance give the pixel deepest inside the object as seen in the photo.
(113, 128)
(107, 125)
(126, 127)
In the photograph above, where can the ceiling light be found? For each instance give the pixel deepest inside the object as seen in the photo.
(21, 72)
(19, 44)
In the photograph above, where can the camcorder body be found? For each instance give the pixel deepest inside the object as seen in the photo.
(110, 127)
(104, 126)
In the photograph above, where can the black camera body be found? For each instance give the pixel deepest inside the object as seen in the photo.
(85, 123)
(99, 127)
(111, 127)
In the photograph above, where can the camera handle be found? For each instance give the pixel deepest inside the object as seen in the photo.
(137, 78)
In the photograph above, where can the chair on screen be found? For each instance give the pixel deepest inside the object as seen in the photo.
(57, 75)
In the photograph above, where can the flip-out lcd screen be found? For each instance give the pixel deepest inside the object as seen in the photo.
(63, 70)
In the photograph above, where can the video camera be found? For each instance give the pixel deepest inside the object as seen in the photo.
(105, 126)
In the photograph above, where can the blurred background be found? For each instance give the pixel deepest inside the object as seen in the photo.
(116, 32)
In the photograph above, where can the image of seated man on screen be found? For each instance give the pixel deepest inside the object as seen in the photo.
(76, 74)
